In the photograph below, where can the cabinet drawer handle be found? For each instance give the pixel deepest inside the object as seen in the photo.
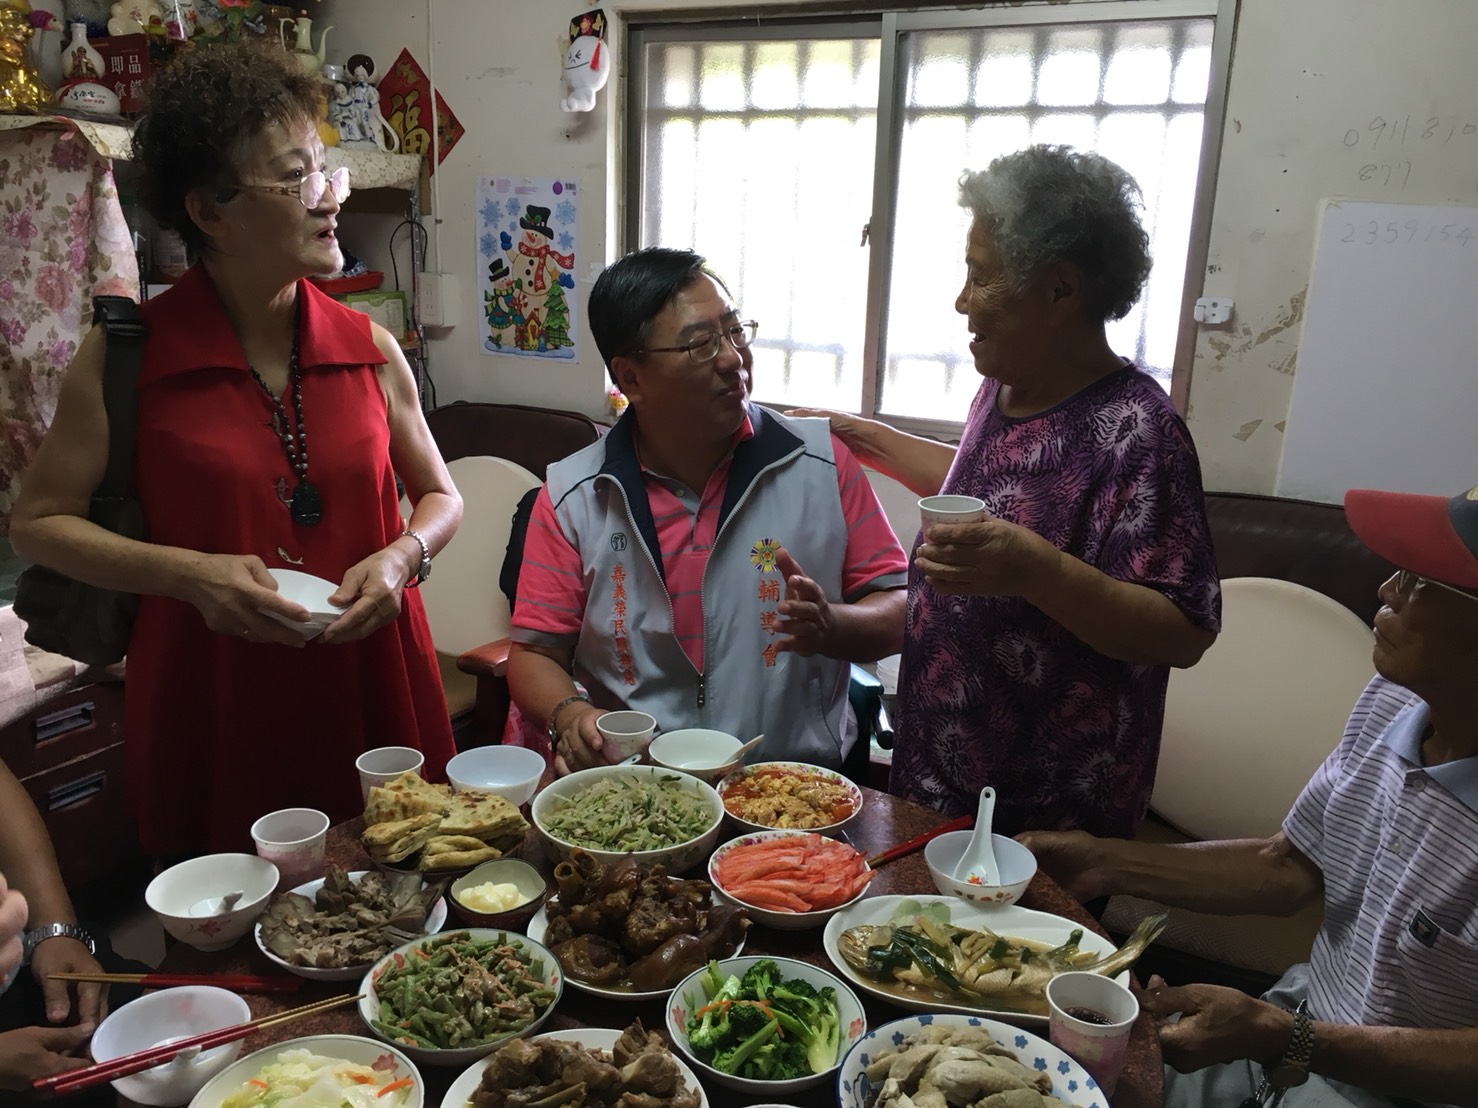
(75, 792)
(66, 721)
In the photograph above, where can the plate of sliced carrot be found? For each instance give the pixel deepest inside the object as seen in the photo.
(789, 880)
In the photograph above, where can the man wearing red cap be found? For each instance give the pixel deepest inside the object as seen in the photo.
(1386, 833)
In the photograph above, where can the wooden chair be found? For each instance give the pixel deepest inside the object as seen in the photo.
(496, 452)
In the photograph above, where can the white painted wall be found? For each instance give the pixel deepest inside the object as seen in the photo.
(1305, 73)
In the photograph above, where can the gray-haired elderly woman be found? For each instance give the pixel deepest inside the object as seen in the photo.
(1038, 642)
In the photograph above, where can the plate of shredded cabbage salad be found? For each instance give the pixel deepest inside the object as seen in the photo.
(317, 1071)
(654, 813)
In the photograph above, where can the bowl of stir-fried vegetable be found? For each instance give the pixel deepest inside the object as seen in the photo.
(764, 1026)
(655, 814)
(450, 999)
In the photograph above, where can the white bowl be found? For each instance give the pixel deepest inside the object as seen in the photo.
(350, 1048)
(508, 771)
(435, 920)
(732, 780)
(1070, 1081)
(677, 857)
(186, 898)
(771, 917)
(1017, 864)
(707, 755)
(547, 970)
(161, 1017)
(689, 996)
(312, 593)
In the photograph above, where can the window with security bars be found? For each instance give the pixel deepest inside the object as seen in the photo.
(759, 155)
(759, 152)
(1133, 92)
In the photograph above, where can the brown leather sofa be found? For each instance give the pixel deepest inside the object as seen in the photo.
(1309, 544)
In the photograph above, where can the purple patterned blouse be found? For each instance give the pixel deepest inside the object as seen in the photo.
(994, 692)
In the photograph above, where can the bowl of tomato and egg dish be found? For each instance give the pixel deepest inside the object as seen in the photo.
(790, 796)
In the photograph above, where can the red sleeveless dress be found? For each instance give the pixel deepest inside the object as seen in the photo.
(219, 730)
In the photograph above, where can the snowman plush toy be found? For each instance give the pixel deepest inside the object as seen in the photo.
(587, 61)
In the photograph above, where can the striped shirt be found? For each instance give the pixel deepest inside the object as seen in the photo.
(1397, 843)
(551, 591)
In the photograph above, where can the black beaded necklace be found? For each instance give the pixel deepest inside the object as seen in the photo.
(305, 503)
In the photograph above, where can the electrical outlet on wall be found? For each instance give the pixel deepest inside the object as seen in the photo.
(438, 293)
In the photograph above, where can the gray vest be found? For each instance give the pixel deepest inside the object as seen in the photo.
(782, 491)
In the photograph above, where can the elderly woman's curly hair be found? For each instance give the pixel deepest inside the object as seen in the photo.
(1050, 204)
(205, 108)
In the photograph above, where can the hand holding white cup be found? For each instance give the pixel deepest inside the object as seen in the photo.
(951, 509)
(624, 733)
(1091, 1018)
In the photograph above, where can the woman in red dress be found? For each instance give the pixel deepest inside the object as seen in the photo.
(272, 422)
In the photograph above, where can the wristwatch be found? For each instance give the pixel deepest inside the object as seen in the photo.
(38, 935)
(552, 727)
(423, 571)
(1293, 1069)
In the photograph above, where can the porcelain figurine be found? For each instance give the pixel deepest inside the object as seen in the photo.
(355, 108)
(48, 31)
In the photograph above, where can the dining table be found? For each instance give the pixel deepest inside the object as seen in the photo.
(885, 821)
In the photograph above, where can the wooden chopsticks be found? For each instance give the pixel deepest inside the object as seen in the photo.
(76, 1080)
(958, 824)
(236, 982)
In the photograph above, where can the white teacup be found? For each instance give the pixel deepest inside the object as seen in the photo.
(951, 509)
(1091, 1018)
(384, 764)
(625, 733)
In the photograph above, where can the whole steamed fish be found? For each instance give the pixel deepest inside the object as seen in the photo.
(978, 966)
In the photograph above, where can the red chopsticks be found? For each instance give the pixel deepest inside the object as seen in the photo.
(72, 1081)
(914, 844)
(236, 982)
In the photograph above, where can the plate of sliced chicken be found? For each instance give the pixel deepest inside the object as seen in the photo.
(337, 927)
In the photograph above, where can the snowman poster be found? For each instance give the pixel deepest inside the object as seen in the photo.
(526, 266)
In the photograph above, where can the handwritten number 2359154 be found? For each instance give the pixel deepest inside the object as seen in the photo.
(1370, 233)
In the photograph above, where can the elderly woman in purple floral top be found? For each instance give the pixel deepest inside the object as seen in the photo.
(1039, 642)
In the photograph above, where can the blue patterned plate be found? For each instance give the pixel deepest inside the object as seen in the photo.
(1070, 1081)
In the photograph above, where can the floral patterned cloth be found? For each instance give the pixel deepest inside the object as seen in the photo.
(63, 240)
(994, 692)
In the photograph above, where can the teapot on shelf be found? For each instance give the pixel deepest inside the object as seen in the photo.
(309, 59)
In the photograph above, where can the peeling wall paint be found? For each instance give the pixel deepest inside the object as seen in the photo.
(1328, 98)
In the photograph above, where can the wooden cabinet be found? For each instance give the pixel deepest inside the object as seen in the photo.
(69, 756)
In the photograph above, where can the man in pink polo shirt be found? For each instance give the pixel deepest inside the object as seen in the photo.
(710, 562)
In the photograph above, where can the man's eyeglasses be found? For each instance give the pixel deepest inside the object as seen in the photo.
(705, 348)
(311, 188)
(1406, 581)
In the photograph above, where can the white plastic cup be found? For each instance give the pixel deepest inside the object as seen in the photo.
(1100, 1047)
(625, 733)
(951, 509)
(292, 840)
(386, 763)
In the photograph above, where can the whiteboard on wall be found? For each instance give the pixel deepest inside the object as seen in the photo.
(1386, 390)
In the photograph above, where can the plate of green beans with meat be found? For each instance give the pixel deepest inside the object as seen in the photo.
(449, 999)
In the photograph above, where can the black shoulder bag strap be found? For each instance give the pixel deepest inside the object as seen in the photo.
(126, 329)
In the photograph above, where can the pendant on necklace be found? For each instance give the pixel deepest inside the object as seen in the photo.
(307, 504)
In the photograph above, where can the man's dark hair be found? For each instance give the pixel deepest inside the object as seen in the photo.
(631, 292)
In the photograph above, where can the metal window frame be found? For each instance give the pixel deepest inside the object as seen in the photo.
(891, 25)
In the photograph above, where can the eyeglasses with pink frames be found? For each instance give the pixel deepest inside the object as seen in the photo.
(311, 188)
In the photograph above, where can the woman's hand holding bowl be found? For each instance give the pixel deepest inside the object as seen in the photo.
(372, 590)
(234, 591)
(989, 558)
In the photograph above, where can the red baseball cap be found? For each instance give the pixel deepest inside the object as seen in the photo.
(1429, 535)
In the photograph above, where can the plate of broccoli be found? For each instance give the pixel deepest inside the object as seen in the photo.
(765, 1025)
